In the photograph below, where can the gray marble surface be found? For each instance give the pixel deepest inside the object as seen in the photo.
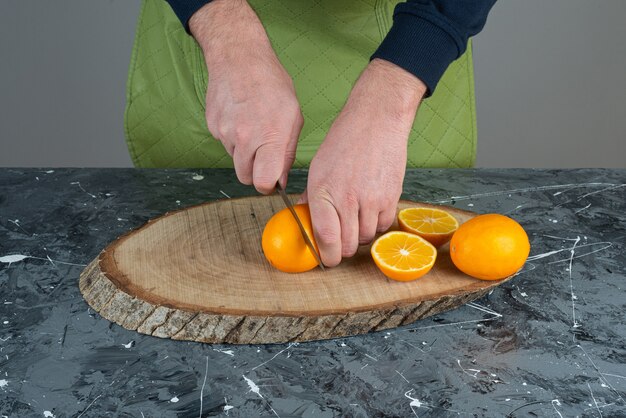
(551, 342)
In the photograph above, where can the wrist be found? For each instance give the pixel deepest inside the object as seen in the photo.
(389, 91)
(406, 90)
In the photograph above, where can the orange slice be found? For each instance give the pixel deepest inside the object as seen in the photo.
(403, 256)
(434, 225)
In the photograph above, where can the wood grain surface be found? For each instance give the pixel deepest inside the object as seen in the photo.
(199, 274)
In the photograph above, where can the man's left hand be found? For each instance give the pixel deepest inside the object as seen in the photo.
(355, 179)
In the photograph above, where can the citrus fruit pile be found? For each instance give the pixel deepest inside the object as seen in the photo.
(487, 247)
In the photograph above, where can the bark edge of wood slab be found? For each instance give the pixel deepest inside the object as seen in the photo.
(199, 274)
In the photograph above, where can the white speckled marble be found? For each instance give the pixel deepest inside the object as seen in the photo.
(551, 342)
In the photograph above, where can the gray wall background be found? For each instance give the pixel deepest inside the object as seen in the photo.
(550, 83)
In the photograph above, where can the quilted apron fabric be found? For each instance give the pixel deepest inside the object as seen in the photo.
(323, 44)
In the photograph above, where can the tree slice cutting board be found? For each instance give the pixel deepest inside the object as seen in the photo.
(199, 274)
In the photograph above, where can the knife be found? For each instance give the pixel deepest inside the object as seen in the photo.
(307, 240)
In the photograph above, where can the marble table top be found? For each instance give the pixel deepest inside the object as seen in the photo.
(550, 342)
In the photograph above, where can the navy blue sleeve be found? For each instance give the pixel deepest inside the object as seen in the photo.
(427, 35)
(184, 9)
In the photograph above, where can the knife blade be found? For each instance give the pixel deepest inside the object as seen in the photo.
(307, 240)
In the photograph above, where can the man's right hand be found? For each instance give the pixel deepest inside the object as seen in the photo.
(251, 104)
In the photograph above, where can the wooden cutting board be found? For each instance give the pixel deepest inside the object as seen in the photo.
(199, 274)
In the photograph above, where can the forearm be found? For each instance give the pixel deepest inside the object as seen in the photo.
(230, 35)
(209, 24)
(389, 94)
(394, 88)
(427, 36)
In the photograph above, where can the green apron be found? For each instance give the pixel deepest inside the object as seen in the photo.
(324, 45)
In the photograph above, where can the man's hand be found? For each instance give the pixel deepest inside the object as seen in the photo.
(355, 179)
(251, 104)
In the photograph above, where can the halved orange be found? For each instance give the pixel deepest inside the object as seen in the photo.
(434, 225)
(403, 256)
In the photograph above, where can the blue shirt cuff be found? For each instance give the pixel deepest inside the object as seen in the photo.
(421, 47)
(184, 9)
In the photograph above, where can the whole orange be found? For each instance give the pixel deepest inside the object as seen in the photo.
(489, 247)
(283, 244)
